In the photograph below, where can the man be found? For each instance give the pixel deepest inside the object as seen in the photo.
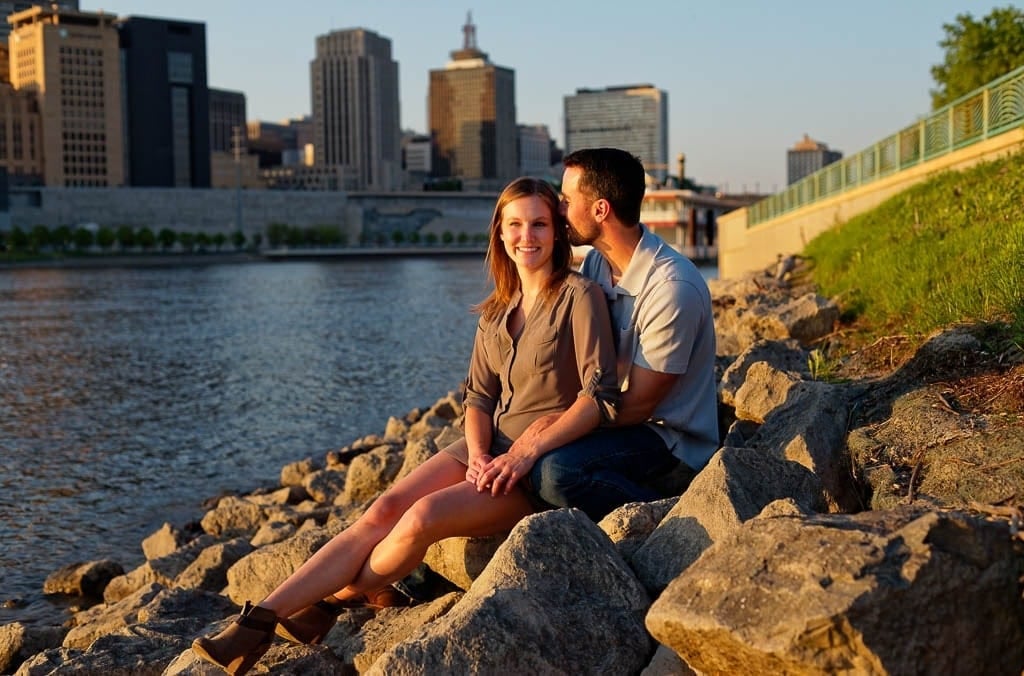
(661, 313)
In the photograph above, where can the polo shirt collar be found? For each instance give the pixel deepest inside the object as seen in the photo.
(640, 264)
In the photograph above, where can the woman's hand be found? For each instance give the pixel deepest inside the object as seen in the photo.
(502, 473)
(477, 464)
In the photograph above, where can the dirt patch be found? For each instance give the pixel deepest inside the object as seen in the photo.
(938, 420)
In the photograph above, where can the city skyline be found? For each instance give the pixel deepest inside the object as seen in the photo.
(745, 79)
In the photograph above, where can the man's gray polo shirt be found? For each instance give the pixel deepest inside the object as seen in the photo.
(661, 311)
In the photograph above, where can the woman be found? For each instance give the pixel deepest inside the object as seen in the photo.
(543, 345)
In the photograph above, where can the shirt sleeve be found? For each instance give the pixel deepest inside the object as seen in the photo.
(482, 384)
(668, 325)
(595, 350)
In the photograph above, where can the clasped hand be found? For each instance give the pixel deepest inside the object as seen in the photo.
(498, 475)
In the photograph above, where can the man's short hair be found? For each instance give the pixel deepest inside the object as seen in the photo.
(611, 174)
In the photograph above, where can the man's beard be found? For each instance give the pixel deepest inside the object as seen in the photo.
(576, 238)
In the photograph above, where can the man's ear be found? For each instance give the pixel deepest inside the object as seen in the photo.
(600, 209)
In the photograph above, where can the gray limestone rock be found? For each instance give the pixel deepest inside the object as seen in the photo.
(895, 592)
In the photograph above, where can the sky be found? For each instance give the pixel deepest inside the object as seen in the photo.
(746, 79)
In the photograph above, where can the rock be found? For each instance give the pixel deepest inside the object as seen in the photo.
(83, 579)
(415, 454)
(18, 642)
(734, 487)
(371, 473)
(254, 576)
(162, 571)
(108, 617)
(233, 517)
(209, 570)
(629, 526)
(461, 560)
(162, 542)
(809, 317)
(667, 663)
(810, 428)
(271, 532)
(765, 389)
(784, 355)
(396, 428)
(895, 592)
(293, 474)
(536, 609)
(430, 425)
(325, 485)
(361, 643)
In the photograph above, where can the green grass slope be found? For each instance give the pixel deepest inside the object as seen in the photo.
(946, 251)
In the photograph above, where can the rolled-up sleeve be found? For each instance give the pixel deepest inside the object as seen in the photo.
(482, 384)
(595, 351)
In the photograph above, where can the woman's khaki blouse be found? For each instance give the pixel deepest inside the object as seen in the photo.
(564, 351)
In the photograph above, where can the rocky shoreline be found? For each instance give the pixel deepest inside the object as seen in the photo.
(863, 520)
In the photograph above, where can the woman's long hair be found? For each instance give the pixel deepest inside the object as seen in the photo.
(502, 269)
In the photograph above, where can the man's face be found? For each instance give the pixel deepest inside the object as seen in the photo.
(576, 207)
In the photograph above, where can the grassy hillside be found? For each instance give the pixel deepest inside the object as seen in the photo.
(946, 251)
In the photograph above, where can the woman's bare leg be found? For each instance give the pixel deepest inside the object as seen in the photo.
(335, 565)
(458, 510)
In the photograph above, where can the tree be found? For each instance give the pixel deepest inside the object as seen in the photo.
(105, 237)
(187, 240)
(167, 238)
(38, 238)
(84, 238)
(238, 239)
(62, 237)
(218, 240)
(978, 52)
(125, 237)
(146, 238)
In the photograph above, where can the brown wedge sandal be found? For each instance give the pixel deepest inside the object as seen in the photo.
(311, 625)
(241, 645)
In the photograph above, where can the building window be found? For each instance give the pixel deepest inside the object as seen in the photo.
(179, 67)
(181, 137)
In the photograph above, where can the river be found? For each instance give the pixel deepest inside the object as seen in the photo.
(128, 396)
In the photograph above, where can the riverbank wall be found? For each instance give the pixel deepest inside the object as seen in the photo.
(252, 211)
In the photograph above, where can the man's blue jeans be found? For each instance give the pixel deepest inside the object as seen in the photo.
(602, 470)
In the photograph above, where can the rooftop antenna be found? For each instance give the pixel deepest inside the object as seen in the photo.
(469, 32)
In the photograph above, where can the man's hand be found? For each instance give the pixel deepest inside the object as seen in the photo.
(527, 443)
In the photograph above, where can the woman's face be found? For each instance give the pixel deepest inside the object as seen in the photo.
(528, 233)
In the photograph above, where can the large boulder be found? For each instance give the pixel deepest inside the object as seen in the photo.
(254, 576)
(83, 579)
(20, 641)
(896, 592)
(809, 427)
(784, 355)
(233, 517)
(162, 571)
(370, 473)
(460, 560)
(556, 598)
(209, 570)
(629, 526)
(734, 487)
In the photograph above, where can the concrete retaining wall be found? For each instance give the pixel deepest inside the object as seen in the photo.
(742, 249)
(213, 211)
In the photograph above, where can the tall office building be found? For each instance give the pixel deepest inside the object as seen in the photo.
(21, 139)
(9, 8)
(71, 61)
(534, 150)
(355, 108)
(808, 156)
(473, 116)
(631, 117)
(167, 125)
(227, 121)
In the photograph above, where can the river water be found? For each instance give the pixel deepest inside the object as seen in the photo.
(130, 396)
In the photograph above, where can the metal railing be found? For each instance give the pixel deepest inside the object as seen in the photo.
(986, 112)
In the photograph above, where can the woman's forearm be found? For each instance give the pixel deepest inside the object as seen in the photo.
(479, 431)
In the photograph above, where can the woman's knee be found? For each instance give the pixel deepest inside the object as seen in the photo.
(386, 510)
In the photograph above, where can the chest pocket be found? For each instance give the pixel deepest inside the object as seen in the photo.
(545, 352)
